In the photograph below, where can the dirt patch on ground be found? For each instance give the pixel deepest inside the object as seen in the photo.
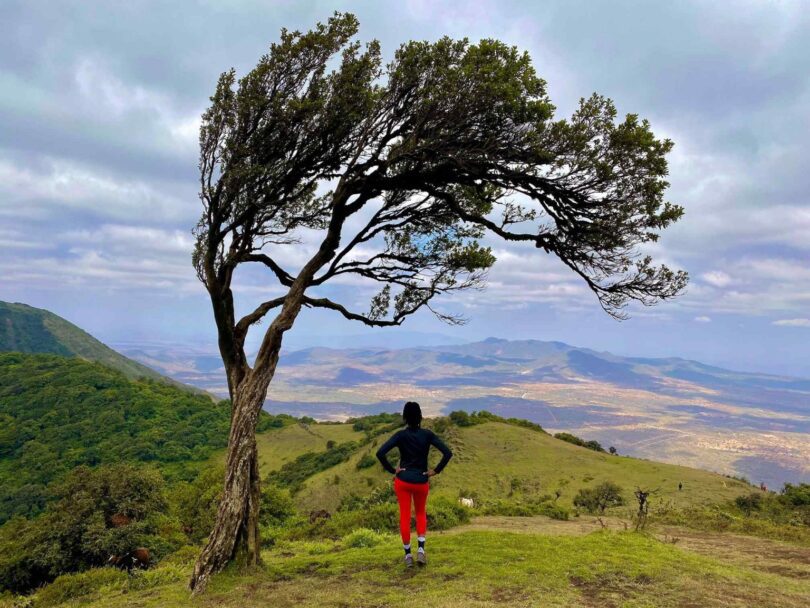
(759, 554)
(763, 555)
(541, 525)
(616, 591)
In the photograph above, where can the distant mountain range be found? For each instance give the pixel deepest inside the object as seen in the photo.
(671, 409)
(494, 361)
(668, 409)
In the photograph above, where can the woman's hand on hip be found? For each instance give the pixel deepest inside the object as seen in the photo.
(430, 473)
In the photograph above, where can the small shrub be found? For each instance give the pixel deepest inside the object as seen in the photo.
(72, 586)
(460, 418)
(749, 503)
(366, 462)
(444, 514)
(363, 537)
(276, 505)
(569, 438)
(797, 495)
(596, 500)
(553, 510)
(164, 575)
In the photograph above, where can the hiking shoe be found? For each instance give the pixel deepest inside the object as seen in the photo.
(421, 558)
(408, 560)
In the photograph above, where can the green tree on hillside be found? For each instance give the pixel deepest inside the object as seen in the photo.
(400, 169)
(596, 500)
(95, 513)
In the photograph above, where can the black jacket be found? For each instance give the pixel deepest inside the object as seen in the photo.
(414, 445)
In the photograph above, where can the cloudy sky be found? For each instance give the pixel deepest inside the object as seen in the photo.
(99, 107)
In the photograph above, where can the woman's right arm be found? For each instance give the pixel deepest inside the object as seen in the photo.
(383, 451)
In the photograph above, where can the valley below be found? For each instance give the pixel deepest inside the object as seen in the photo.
(672, 410)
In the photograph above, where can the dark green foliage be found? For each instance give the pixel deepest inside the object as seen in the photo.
(569, 438)
(96, 513)
(277, 505)
(596, 500)
(784, 516)
(272, 421)
(61, 413)
(293, 474)
(462, 418)
(444, 514)
(796, 495)
(525, 508)
(366, 461)
(368, 423)
(553, 510)
(195, 503)
(749, 503)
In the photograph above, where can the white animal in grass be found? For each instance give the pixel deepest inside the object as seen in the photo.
(467, 502)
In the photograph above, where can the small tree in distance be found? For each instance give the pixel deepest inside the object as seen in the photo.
(401, 169)
(596, 500)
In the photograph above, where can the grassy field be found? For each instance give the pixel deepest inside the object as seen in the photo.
(495, 459)
(492, 561)
(279, 446)
(487, 563)
(283, 445)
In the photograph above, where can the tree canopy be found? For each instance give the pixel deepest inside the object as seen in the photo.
(399, 171)
(425, 154)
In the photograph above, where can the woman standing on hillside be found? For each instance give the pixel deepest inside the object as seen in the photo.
(411, 477)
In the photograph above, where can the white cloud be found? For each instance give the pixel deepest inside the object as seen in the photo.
(703, 319)
(793, 322)
(716, 278)
(55, 187)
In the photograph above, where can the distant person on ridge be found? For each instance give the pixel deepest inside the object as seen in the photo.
(411, 477)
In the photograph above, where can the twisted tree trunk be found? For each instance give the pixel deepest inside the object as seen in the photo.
(236, 531)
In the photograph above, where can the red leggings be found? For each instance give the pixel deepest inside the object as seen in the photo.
(419, 492)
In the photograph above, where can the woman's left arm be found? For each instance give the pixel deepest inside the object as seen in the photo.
(442, 447)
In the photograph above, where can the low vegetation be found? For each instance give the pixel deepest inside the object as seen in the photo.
(328, 509)
(782, 516)
(59, 413)
(591, 445)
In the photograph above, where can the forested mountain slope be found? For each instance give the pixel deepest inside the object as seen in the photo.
(57, 413)
(27, 329)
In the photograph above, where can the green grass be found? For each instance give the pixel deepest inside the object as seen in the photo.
(279, 446)
(471, 568)
(489, 458)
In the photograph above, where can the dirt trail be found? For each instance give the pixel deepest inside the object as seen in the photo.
(784, 559)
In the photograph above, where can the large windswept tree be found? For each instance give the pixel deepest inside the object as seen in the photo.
(401, 169)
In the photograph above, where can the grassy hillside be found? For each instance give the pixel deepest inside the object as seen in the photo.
(57, 413)
(496, 460)
(472, 568)
(27, 329)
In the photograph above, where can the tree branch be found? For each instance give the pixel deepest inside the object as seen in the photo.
(245, 322)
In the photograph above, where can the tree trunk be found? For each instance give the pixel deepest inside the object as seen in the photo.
(236, 531)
